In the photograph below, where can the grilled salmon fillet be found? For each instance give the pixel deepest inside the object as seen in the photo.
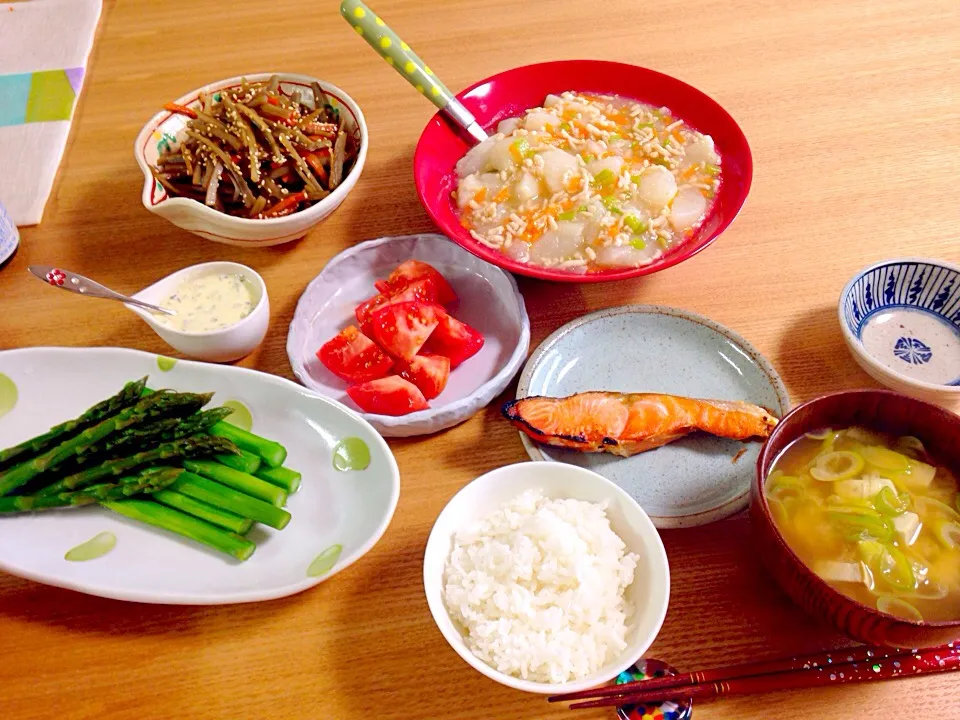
(629, 423)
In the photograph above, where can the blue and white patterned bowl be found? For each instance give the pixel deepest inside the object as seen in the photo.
(901, 320)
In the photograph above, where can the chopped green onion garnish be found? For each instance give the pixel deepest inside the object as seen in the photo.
(613, 137)
(565, 126)
(636, 224)
(610, 203)
(666, 142)
(712, 169)
(605, 177)
(587, 157)
(638, 243)
(568, 215)
(635, 178)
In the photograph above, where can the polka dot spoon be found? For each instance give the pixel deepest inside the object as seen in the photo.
(406, 62)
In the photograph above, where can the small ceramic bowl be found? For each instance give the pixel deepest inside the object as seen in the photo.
(163, 130)
(489, 301)
(509, 93)
(901, 321)
(649, 593)
(881, 410)
(230, 343)
(647, 348)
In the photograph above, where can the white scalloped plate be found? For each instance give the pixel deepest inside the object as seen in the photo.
(489, 301)
(351, 509)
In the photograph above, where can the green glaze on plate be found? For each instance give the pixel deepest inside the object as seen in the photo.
(351, 453)
(241, 415)
(95, 547)
(325, 561)
(8, 394)
(165, 363)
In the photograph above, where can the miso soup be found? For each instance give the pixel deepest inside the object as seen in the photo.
(875, 517)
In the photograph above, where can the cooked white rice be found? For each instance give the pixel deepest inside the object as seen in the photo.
(538, 588)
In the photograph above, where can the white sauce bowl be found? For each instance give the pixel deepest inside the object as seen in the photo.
(230, 343)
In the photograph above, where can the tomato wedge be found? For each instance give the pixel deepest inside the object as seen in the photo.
(428, 372)
(413, 270)
(353, 356)
(388, 396)
(422, 290)
(402, 329)
(455, 340)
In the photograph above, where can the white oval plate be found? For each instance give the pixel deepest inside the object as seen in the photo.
(351, 509)
(648, 348)
(489, 301)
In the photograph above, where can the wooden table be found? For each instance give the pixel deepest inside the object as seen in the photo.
(852, 111)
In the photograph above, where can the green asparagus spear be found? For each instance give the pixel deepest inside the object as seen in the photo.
(188, 447)
(213, 493)
(283, 477)
(157, 405)
(202, 510)
(253, 486)
(167, 430)
(180, 523)
(273, 453)
(129, 395)
(244, 461)
(149, 481)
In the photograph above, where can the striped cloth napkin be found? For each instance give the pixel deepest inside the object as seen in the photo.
(44, 45)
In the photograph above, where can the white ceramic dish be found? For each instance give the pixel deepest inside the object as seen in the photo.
(350, 509)
(489, 301)
(649, 593)
(230, 343)
(647, 348)
(901, 321)
(163, 129)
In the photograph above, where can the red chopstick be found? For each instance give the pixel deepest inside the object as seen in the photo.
(730, 672)
(923, 662)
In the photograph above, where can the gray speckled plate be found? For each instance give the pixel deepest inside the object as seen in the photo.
(648, 348)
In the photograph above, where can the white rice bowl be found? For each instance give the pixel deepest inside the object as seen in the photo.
(538, 588)
(644, 600)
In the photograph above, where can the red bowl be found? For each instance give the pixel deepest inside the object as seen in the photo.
(511, 92)
(882, 410)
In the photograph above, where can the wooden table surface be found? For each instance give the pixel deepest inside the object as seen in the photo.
(853, 113)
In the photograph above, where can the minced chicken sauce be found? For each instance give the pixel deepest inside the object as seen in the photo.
(588, 182)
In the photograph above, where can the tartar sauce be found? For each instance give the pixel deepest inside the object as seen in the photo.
(208, 302)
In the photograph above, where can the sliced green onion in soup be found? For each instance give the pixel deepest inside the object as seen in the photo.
(896, 569)
(851, 504)
(610, 203)
(568, 215)
(888, 503)
(638, 243)
(930, 506)
(911, 444)
(613, 138)
(635, 179)
(785, 485)
(819, 434)
(884, 459)
(861, 523)
(714, 170)
(899, 608)
(837, 465)
(779, 512)
(948, 533)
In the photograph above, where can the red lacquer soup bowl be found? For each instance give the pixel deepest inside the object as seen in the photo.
(880, 410)
(510, 93)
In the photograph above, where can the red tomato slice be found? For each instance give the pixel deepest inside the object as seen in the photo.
(388, 396)
(455, 340)
(423, 290)
(353, 356)
(402, 329)
(428, 372)
(413, 270)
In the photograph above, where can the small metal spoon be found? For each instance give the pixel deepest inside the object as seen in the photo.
(406, 62)
(67, 280)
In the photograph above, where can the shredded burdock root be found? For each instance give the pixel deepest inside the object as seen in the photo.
(257, 152)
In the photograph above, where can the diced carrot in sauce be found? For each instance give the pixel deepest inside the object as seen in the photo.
(502, 195)
(480, 195)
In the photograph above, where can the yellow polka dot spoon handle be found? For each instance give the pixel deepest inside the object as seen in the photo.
(406, 62)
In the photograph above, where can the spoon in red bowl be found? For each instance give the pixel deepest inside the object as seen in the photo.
(406, 62)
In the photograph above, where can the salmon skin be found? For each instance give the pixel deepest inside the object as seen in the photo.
(629, 423)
